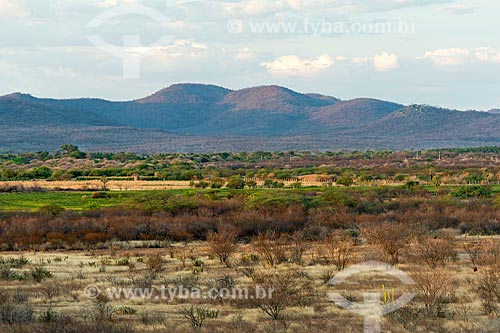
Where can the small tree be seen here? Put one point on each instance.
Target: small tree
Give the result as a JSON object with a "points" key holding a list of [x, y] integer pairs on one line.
{"points": [[271, 248], [435, 251], [474, 250], [198, 315], [104, 182], [252, 184], [69, 149], [102, 309], [222, 245], [488, 288], [283, 290], [435, 289], [235, 183], [345, 180], [154, 264], [340, 251], [299, 246], [392, 238]]}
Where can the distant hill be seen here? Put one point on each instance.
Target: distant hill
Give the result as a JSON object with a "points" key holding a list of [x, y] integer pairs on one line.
{"points": [[355, 112], [197, 117]]}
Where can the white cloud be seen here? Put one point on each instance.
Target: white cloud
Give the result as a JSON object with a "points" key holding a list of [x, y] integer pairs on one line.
{"points": [[385, 62], [382, 62], [463, 56], [293, 65], [244, 54], [459, 9], [179, 48], [12, 9], [487, 54], [448, 57], [360, 61], [220, 10]]}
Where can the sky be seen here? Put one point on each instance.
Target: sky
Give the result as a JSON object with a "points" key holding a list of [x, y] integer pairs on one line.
{"points": [[437, 52]]}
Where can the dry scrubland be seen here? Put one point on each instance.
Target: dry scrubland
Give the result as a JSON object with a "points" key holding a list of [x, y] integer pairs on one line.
{"points": [[457, 280], [227, 231]]}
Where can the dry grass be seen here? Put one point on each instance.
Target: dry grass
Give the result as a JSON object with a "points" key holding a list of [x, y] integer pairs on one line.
{"points": [[449, 303]]}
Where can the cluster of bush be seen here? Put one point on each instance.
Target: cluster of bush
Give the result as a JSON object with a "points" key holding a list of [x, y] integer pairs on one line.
{"points": [[194, 214]]}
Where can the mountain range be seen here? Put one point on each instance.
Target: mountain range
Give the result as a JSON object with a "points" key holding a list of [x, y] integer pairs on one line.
{"points": [[201, 118]]}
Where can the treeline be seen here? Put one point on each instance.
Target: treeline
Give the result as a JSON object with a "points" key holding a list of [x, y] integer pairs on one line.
{"points": [[451, 166], [485, 150]]}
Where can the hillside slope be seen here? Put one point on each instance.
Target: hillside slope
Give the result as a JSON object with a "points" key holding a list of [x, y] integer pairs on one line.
{"points": [[197, 117]]}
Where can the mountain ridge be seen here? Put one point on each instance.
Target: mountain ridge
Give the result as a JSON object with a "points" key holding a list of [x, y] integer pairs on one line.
{"points": [[203, 117]]}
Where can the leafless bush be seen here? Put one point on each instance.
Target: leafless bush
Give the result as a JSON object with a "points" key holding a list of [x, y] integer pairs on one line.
{"points": [[102, 310], [340, 251], [271, 248], [474, 250], [223, 245], [14, 309], [435, 289], [483, 252], [435, 251], [50, 290], [189, 282], [392, 238], [152, 318], [299, 246], [198, 315], [287, 289], [488, 288], [155, 264]]}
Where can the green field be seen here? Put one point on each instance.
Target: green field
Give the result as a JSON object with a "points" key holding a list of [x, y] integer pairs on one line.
{"points": [[66, 200], [78, 201]]}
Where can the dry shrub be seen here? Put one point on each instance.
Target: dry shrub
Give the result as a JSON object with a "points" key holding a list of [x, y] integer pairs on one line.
{"points": [[223, 245], [283, 290], [435, 252], [155, 264], [491, 252], [340, 251], [271, 248], [488, 289], [391, 238], [435, 290], [474, 250], [299, 246], [196, 315], [483, 252]]}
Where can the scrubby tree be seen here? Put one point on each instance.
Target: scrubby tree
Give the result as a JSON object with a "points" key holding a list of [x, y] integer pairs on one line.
{"points": [[68, 149], [340, 251], [345, 180], [391, 238], [223, 244], [435, 251], [196, 315], [436, 289], [488, 288], [271, 248], [282, 290], [235, 183]]}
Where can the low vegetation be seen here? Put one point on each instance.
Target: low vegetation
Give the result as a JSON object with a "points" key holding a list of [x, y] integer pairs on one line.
{"points": [[62, 252]]}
